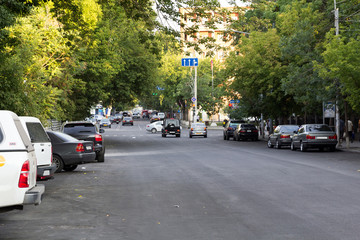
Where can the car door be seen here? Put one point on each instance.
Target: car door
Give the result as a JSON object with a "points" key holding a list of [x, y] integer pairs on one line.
{"points": [[297, 136], [158, 126]]}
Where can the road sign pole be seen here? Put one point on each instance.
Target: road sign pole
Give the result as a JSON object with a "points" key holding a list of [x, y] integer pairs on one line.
{"points": [[195, 95]]}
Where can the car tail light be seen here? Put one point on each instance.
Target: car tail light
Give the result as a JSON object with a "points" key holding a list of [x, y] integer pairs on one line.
{"points": [[24, 175], [80, 147], [310, 137], [204, 128], [284, 136], [333, 137], [242, 131], [98, 138], [192, 129], [255, 131], [178, 130]]}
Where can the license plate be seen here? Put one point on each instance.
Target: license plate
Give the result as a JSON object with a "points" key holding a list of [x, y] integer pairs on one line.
{"points": [[198, 133], [46, 173], [88, 147], [321, 138], [172, 132], [248, 130]]}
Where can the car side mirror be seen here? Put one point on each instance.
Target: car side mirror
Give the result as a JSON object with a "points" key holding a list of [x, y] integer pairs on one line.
{"points": [[101, 130]]}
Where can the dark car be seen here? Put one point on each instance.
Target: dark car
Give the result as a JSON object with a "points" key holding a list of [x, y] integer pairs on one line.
{"points": [[154, 119], [282, 136], [171, 126], [69, 152], [246, 131], [127, 120], [88, 132], [314, 136], [230, 127]]}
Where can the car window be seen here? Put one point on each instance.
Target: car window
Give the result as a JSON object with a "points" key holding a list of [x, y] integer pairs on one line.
{"points": [[37, 132], [172, 122], [158, 123], [289, 128], [318, 128], [234, 125], [248, 126], [65, 137], [127, 118], [79, 128], [301, 130], [104, 120]]}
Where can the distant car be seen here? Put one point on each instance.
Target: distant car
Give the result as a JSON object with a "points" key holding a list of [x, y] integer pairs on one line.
{"points": [[198, 129], [127, 120], [314, 136], [230, 127], [105, 122], [246, 131], [117, 118], [69, 152], [136, 115], [161, 115], [282, 136], [154, 127], [88, 132], [154, 119], [112, 118], [171, 126]]}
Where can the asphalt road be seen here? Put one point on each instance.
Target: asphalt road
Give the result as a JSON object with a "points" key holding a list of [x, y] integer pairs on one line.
{"points": [[154, 188]]}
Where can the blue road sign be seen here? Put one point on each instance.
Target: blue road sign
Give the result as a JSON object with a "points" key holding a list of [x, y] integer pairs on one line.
{"points": [[232, 101], [189, 62], [193, 99]]}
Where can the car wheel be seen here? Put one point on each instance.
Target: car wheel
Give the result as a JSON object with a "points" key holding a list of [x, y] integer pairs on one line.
{"points": [[332, 148], [163, 135], [110, 126], [227, 137], [224, 137], [177, 135], [302, 147], [101, 157], [234, 138], [69, 168], [190, 136], [58, 162], [277, 144], [153, 130], [269, 144], [205, 136], [292, 146]]}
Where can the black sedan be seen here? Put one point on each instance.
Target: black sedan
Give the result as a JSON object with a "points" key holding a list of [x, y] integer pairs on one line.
{"points": [[69, 152], [246, 131]]}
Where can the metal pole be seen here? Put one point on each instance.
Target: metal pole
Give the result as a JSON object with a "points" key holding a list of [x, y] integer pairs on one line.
{"points": [[337, 115], [195, 95]]}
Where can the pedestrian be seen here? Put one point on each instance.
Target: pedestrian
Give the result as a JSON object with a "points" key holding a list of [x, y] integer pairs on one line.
{"points": [[350, 130], [342, 126], [225, 122]]}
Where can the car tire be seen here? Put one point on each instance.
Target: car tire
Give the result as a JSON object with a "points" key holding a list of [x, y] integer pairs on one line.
{"points": [[163, 135], [234, 138], [205, 136], [190, 136], [269, 144], [110, 126], [70, 168], [227, 137], [224, 137], [153, 130], [332, 148], [277, 144], [59, 163], [302, 147], [177, 135], [101, 157]]}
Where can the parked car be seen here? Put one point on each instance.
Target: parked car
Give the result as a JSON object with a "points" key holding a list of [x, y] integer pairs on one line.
{"points": [[105, 122], [127, 120], [230, 127], [154, 118], [42, 146], [246, 131], [314, 136], [136, 115], [87, 132], [154, 127], [69, 152], [17, 165], [282, 136], [171, 126], [198, 129]]}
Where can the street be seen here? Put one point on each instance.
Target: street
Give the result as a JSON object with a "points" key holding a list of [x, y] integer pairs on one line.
{"points": [[154, 188]]}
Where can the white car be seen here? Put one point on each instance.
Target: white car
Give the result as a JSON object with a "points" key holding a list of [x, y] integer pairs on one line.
{"points": [[154, 127], [17, 165], [161, 115], [42, 144]]}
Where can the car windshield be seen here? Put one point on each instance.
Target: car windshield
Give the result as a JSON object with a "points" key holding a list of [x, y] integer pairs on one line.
{"points": [[234, 124], [174, 122], [127, 118], [104, 120], [198, 125], [318, 128], [289, 128], [79, 128], [248, 126]]}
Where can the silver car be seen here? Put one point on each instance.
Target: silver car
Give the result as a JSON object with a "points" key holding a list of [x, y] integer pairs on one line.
{"points": [[314, 136], [198, 129], [282, 136]]}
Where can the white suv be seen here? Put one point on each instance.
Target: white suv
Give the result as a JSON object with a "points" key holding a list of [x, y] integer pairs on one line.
{"points": [[17, 165], [42, 145]]}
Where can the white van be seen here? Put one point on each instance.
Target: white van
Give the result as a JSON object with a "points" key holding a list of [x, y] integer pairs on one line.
{"points": [[42, 145], [17, 165]]}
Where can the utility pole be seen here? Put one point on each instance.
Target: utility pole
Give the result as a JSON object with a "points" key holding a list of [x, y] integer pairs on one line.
{"points": [[337, 112], [195, 95]]}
